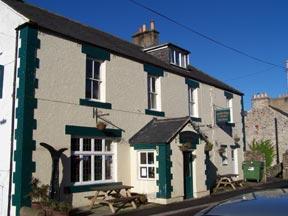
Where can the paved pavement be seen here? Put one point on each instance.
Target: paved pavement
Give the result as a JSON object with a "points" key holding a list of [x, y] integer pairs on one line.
{"points": [[187, 207]]}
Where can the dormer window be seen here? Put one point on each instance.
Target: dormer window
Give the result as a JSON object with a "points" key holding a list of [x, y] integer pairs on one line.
{"points": [[178, 58]]}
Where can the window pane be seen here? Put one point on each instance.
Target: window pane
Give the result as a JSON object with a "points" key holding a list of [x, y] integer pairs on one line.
{"points": [[153, 101], [153, 84], [86, 144], [150, 158], [86, 168], [75, 165], [75, 144], [88, 68], [98, 144], [96, 70], [108, 144], [98, 167], [143, 172], [96, 89], [88, 88], [177, 58], [108, 167], [142, 158], [151, 172]]}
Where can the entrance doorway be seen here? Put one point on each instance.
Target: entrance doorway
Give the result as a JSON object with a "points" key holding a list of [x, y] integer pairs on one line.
{"points": [[188, 174]]}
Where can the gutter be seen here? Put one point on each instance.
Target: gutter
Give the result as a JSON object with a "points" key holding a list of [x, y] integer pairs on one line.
{"points": [[243, 123], [13, 123]]}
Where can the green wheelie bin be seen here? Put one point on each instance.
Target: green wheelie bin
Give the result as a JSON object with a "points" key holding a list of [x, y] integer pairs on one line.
{"points": [[253, 170]]}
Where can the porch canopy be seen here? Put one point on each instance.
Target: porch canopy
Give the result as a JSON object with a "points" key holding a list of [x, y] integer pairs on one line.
{"points": [[163, 131]]}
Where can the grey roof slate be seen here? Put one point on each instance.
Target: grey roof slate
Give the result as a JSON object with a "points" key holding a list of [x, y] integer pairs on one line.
{"points": [[159, 131], [76, 31]]}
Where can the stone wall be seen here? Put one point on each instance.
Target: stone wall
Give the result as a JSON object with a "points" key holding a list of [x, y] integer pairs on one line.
{"points": [[260, 123]]}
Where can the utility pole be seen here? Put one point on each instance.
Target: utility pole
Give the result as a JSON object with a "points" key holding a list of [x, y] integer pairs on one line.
{"points": [[286, 69]]}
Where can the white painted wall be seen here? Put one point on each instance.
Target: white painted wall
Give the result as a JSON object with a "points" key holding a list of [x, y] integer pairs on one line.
{"points": [[9, 20]]}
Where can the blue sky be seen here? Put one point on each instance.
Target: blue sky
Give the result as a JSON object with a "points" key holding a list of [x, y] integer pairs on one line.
{"points": [[257, 27]]}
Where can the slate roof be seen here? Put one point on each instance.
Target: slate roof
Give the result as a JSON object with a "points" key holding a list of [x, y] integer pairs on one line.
{"points": [[76, 31], [159, 131], [278, 109]]}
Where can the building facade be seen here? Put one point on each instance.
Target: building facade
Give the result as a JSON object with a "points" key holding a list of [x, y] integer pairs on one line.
{"points": [[159, 112], [268, 119]]}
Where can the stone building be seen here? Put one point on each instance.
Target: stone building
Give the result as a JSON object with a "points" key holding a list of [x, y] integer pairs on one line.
{"points": [[268, 119]]}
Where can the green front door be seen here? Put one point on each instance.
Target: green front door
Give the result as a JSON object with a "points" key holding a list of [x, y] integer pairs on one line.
{"points": [[188, 175]]}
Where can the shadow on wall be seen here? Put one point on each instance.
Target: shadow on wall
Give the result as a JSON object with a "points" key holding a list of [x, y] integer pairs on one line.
{"points": [[211, 172], [64, 196]]}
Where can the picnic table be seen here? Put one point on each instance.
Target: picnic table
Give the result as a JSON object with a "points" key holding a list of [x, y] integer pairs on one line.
{"points": [[115, 196], [227, 180]]}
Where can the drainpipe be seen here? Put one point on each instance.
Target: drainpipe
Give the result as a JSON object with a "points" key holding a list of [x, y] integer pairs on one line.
{"points": [[276, 140], [243, 123], [12, 124]]}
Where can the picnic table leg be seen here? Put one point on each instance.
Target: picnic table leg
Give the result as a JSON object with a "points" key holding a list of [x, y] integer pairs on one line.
{"points": [[128, 194], [217, 186], [112, 208], [93, 200]]}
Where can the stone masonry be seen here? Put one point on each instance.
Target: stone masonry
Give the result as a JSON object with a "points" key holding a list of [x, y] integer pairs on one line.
{"points": [[260, 121]]}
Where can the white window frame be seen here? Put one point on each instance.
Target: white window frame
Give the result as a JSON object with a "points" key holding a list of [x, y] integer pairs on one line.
{"points": [[139, 165], [94, 153], [180, 57], [101, 80], [157, 92], [193, 102], [229, 104]]}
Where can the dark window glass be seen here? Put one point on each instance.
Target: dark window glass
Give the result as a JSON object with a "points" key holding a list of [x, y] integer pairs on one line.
{"points": [[98, 167], [96, 89], [150, 158], [86, 144], [142, 158], [96, 70], [98, 144], [89, 68], [88, 88], [75, 165], [86, 168], [108, 167], [151, 172], [75, 144]]}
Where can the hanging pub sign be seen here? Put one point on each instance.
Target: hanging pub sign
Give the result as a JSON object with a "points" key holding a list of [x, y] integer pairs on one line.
{"points": [[222, 115]]}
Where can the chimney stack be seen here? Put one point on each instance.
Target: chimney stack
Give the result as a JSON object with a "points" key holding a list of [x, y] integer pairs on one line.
{"points": [[260, 100], [146, 37]]}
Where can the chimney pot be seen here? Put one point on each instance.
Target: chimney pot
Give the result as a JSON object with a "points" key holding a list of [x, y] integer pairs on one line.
{"points": [[144, 28], [152, 25]]}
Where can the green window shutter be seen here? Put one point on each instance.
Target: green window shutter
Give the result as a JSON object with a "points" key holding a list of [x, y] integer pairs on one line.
{"points": [[1, 80]]}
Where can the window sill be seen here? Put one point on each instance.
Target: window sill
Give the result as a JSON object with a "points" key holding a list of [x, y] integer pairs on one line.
{"points": [[88, 187], [154, 113], [196, 119], [230, 124], [98, 104]]}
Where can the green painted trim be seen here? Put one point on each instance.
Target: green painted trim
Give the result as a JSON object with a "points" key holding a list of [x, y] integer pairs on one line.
{"points": [[25, 145], [192, 83], [154, 113], [98, 104], [144, 146], [92, 132], [231, 124], [1, 80], [85, 188], [228, 95], [164, 171], [95, 52], [196, 119], [152, 70]]}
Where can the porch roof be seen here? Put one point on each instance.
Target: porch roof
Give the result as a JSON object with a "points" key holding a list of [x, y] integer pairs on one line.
{"points": [[159, 131]]}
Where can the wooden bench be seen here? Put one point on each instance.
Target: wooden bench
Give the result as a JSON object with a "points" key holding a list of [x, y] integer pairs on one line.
{"points": [[238, 183], [113, 202]]}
